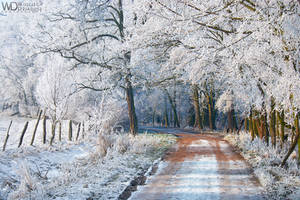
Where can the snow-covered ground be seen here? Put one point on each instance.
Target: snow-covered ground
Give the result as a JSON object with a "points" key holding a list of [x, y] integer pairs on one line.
{"points": [[18, 125], [91, 168], [280, 183]]}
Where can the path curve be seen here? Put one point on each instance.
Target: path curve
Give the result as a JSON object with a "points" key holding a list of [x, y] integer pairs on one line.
{"points": [[201, 166]]}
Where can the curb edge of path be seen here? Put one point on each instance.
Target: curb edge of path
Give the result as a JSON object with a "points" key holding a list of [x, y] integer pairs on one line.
{"points": [[140, 180]]}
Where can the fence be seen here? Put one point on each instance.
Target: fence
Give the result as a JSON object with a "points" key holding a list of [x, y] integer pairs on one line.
{"points": [[21, 131]]}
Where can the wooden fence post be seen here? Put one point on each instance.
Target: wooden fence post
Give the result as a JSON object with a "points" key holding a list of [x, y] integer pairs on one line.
{"points": [[78, 131], [83, 130], [37, 114], [44, 128], [59, 131], [7, 136], [70, 130], [23, 133], [35, 127]]}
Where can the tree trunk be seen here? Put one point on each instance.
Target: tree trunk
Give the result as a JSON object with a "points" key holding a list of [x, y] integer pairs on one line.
{"points": [[202, 118], [282, 123], [22, 134], [272, 118], [266, 128], [166, 120], [195, 99], [277, 124], [294, 142], [259, 128], [35, 127], [246, 124], [131, 108], [251, 126], [171, 117], [176, 120], [298, 131], [209, 112], [153, 117], [235, 121], [241, 125], [213, 111], [230, 120], [7, 136], [173, 105], [53, 129]]}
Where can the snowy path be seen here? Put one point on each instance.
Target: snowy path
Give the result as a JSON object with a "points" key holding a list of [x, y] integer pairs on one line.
{"points": [[202, 166]]}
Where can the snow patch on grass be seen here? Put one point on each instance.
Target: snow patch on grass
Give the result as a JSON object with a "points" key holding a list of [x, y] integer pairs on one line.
{"points": [[280, 183], [99, 169]]}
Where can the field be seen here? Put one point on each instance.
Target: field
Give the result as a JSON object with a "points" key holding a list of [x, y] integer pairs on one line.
{"points": [[94, 167]]}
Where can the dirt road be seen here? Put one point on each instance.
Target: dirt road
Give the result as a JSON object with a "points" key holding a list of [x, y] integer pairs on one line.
{"points": [[202, 166]]}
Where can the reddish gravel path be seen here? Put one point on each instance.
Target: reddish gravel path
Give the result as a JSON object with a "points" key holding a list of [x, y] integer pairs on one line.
{"points": [[201, 166]]}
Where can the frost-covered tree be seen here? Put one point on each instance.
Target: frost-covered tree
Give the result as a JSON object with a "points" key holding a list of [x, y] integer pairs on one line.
{"points": [[95, 34], [228, 43], [55, 87], [15, 65]]}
